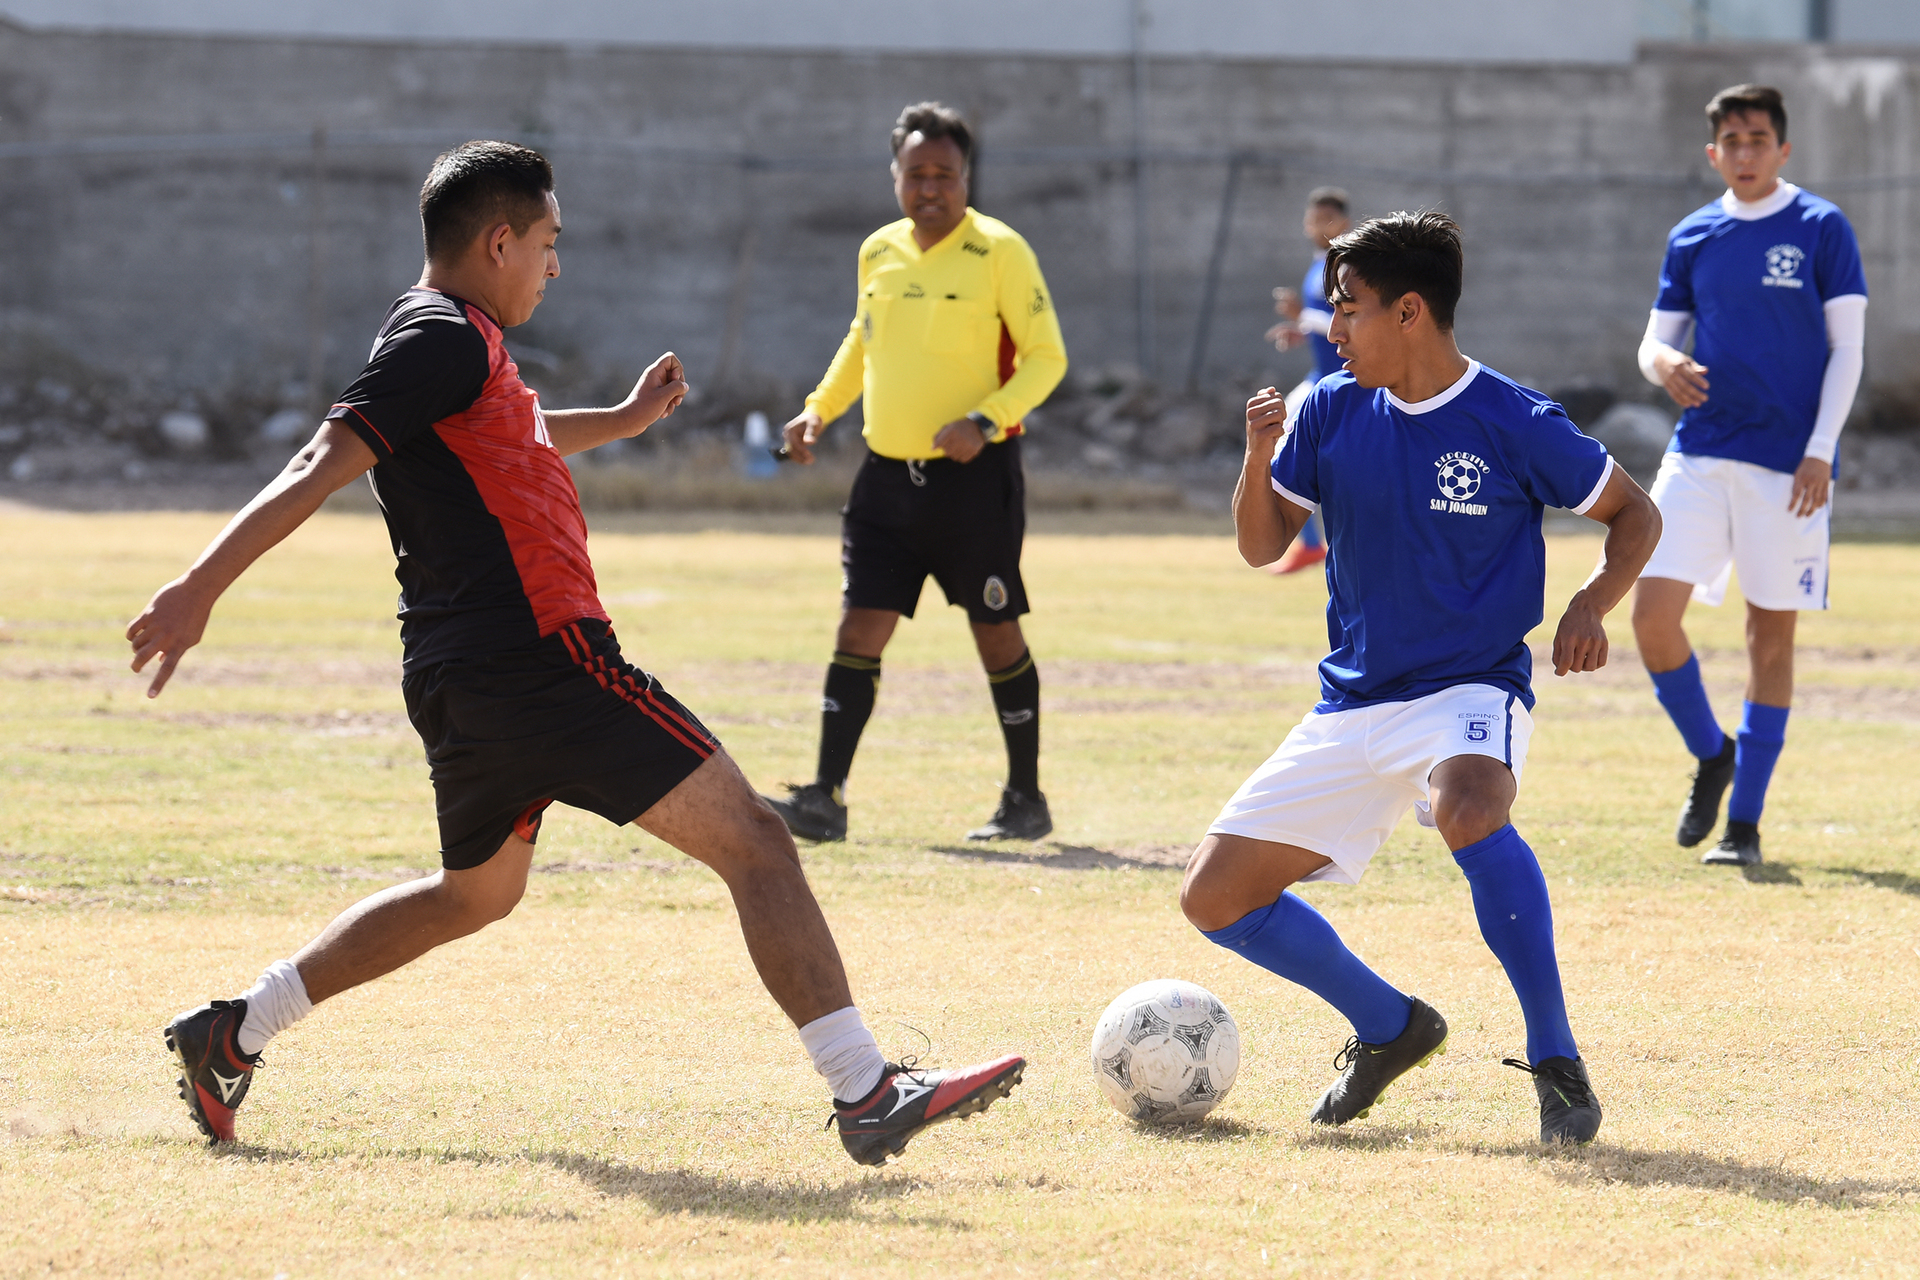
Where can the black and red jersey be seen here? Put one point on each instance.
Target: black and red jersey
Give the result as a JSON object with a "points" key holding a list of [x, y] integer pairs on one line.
{"points": [[482, 510]]}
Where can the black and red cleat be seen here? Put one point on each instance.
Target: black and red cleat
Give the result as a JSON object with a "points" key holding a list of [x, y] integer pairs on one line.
{"points": [[908, 1100], [216, 1072]]}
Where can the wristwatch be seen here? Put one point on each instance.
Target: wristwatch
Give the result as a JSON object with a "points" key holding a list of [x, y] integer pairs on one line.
{"points": [[985, 424]]}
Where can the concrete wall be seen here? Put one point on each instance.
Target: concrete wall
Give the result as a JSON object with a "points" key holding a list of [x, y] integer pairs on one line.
{"points": [[1461, 30], [171, 224]]}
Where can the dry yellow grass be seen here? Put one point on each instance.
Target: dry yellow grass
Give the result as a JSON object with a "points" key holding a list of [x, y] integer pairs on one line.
{"points": [[598, 1086]]}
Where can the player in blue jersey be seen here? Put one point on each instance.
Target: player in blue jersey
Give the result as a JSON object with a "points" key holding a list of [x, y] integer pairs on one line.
{"points": [[1307, 313], [1431, 472], [1768, 279]]}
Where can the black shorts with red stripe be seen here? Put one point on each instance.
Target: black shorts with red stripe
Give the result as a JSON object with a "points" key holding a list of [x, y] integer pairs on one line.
{"points": [[566, 719]]}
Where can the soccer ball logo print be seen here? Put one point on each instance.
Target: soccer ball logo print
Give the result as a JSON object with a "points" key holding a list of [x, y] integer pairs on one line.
{"points": [[1459, 476], [1783, 262]]}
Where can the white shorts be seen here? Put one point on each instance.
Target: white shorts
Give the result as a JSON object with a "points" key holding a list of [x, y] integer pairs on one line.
{"points": [[1342, 780], [1721, 515]]}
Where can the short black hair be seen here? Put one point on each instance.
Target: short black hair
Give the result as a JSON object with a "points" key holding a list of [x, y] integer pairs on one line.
{"points": [[1742, 98], [479, 185], [1332, 197], [933, 120], [1403, 253]]}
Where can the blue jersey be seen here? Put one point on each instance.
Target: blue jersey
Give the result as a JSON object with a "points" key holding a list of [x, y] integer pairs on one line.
{"points": [[1756, 290], [1436, 569], [1313, 297]]}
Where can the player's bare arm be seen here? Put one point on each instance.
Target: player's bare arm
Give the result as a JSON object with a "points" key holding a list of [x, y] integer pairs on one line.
{"points": [[1633, 530], [1264, 522], [655, 396], [176, 617]]}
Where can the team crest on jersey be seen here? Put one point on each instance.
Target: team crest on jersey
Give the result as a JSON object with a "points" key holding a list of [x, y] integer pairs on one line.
{"points": [[996, 593], [1459, 476], [1783, 267]]}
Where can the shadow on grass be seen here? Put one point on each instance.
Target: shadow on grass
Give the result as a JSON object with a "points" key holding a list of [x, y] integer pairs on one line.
{"points": [[1626, 1166], [752, 1199], [1211, 1129], [1073, 857], [1375, 1137], [1894, 880], [1636, 1168], [666, 1190], [1770, 873]]}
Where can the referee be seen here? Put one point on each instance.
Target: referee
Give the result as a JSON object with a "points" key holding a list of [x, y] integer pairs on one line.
{"points": [[953, 342]]}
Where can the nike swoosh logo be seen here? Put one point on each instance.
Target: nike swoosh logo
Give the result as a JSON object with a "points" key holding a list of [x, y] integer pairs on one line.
{"points": [[226, 1086]]}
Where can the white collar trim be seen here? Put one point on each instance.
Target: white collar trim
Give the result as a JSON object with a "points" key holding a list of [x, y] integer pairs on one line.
{"points": [[1765, 207], [1434, 402]]}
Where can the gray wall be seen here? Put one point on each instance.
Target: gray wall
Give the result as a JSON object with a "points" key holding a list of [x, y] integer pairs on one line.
{"points": [[1550, 30], [167, 208]]}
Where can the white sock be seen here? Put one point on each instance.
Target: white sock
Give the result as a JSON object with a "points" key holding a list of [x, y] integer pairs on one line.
{"points": [[845, 1052], [274, 1003]]}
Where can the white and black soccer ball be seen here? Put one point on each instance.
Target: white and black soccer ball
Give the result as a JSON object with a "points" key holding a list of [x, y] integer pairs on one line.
{"points": [[1459, 479], [1165, 1052]]}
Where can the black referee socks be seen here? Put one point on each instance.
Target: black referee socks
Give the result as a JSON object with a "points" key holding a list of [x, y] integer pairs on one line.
{"points": [[1016, 695], [853, 682]]}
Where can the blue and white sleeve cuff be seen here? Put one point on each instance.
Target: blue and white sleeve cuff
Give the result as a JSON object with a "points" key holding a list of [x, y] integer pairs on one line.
{"points": [[1606, 474], [1295, 498]]}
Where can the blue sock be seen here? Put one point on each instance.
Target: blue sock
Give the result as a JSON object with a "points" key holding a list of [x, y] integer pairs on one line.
{"points": [[1685, 698], [1763, 731], [1293, 940], [1510, 900]]}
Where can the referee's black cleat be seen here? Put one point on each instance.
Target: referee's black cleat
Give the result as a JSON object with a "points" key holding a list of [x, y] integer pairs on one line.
{"points": [[1019, 817], [1739, 846], [1367, 1069], [1569, 1111], [216, 1073], [811, 812], [1703, 800], [908, 1100]]}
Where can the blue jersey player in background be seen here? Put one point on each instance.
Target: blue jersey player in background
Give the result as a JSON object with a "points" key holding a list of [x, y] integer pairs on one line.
{"points": [[1768, 279], [1306, 315], [1432, 473]]}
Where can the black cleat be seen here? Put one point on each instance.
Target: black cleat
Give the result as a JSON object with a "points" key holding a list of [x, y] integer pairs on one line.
{"points": [[811, 812], [1569, 1111], [1703, 801], [1367, 1069], [908, 1100], [217, 1073], [1739, 846], [1019, 817]]}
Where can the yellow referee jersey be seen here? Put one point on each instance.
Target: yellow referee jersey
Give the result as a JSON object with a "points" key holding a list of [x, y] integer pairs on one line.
{"points": [[964, 327]]}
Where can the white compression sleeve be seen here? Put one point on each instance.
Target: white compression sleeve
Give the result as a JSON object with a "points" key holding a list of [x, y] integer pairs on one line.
{"points": [[1664, 329], [274, 1003], [1846, 357], [845, 1052], [1312, 321]]}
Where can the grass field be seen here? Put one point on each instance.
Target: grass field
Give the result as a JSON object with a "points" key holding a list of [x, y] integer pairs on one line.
{"points": [[598, 1085]]}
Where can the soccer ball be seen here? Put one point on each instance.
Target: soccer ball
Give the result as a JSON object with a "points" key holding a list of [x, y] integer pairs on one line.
{"points": [[1459, 480], [1165, 1052]]}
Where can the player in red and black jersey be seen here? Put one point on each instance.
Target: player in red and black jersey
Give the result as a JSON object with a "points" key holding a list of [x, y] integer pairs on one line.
{"points": [[511, 673]]}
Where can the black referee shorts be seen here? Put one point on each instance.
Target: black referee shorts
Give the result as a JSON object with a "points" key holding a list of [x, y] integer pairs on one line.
{"points": [[565, 719], [962, 522]]}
